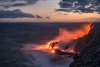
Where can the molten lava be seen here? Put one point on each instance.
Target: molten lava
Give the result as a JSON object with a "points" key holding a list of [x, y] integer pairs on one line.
{"points": [[52, 45], [64, 36]]}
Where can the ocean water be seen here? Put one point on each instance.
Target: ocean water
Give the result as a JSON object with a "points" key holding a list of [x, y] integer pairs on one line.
{"points": [[16, 36], [43, 58]]}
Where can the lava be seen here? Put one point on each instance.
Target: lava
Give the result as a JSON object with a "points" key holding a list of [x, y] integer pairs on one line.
{"points": [[63, 38]]}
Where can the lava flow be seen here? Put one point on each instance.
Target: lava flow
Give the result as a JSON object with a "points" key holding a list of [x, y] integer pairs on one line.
{"points": [[64, 37]]}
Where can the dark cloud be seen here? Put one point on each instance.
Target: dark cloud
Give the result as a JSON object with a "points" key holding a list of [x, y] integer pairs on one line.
{"points": [[19, 4], [64, 10], [12, 3], [14, 14], [80, 6], [37, 16], [48, 17], [31, 1]]}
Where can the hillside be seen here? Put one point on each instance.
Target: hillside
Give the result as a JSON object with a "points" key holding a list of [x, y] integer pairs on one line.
{"points": [[89, 47]]}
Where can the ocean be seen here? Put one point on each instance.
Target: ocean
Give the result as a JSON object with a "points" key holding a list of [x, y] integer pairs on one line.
{"points": [[18, 38]]}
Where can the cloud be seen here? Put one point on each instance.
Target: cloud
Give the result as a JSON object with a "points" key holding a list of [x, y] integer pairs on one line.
{"points": [[80, 6], [15, 14], [37, 16], [64, 10], [13, 3], [48, 17]]}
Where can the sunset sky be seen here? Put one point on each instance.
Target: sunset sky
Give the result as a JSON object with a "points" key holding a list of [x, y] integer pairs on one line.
{"points": [[49, 10]]}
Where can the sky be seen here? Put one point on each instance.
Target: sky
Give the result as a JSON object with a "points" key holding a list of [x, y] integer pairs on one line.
{"points": [[49, 10]]}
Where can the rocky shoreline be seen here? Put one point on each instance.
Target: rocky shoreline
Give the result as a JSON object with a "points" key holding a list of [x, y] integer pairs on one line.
{"points": [[89, 56]]}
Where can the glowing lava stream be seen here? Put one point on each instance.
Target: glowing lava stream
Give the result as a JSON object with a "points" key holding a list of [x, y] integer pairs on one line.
{"points": [[64, 36]]}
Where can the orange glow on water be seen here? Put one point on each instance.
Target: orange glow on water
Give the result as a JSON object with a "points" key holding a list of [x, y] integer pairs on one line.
{"points": [[64, 36]]}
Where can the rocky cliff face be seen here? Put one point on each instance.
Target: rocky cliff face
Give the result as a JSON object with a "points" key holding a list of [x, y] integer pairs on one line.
{"points": [[89, 47]]}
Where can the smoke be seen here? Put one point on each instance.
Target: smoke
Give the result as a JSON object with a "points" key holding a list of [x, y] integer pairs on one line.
{"points": [[43, 56], [66, 36]]}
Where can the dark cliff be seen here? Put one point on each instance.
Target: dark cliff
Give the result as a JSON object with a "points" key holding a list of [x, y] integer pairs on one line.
{"points": [[89, 47]]}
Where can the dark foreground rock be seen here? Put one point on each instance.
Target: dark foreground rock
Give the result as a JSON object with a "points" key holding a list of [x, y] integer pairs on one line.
{"points": [[89, 47]]}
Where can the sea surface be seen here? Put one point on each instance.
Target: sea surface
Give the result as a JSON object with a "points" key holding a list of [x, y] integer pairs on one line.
{"points": [[16, 37]]}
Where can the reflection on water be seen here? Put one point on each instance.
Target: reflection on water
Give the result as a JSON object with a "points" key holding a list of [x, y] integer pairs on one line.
{"points": [[44, 58], [14, 35]]}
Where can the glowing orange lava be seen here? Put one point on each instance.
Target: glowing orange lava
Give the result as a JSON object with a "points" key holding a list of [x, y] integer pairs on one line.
{"points": [[64, 36]]}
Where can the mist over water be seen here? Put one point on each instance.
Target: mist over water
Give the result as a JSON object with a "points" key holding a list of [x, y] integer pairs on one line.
{"points": [[44, 58], [17, 36]]}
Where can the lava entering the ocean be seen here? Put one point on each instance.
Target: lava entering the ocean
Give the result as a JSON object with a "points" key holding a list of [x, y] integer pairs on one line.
{"points": [[58, 43]]}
